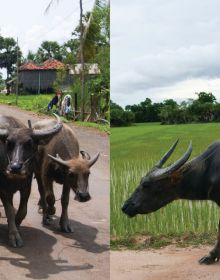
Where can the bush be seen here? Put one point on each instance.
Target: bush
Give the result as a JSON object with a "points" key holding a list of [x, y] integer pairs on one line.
{"points": [[121, 118], [117, 117]]}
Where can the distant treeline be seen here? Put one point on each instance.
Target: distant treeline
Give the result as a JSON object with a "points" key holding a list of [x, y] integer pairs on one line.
{"points": [[204, 108]]}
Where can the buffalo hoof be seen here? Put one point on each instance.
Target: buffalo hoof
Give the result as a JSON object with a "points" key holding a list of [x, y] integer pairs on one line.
{"points": [[47, 220], [66, 227], [208, 260], [15, 240]]}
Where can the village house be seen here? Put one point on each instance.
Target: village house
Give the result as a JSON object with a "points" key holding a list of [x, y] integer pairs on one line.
{"points": [[40, 78]]}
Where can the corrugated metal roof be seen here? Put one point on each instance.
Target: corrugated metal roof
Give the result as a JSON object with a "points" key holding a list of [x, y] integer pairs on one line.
{"points": [[91, 68]]}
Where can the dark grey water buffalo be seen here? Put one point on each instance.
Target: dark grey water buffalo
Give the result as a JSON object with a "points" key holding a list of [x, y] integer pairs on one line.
{"points": [[62, 161], [198, 179], [18, 147]]}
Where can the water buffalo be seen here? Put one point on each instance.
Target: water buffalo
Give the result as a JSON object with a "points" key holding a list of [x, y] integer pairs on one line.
{"points": [[62, 161], [18, 147], [198, 179]]}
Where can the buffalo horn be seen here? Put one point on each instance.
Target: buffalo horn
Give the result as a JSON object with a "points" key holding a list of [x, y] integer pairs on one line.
{"points": [[85, 155], [93, 161], [167, 155], [29, 124], [58, 159], [44, 133], [175, 166]]}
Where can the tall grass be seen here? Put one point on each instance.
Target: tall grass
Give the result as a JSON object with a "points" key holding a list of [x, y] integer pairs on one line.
{"points": [[134, 150]]}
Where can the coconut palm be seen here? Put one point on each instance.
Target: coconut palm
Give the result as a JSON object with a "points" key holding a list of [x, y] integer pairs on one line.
{"points": [[83, 34]]}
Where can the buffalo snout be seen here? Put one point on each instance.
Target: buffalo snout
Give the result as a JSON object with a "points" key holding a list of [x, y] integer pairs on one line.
{"points": [[82, 196], [15, 167], [129, 209]]}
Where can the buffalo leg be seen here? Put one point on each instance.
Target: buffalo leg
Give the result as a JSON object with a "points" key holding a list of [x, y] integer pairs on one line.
{"points": [[42, 201], [64, 221], [22, 210], [14, 236], [214, 255], [50, 198]]}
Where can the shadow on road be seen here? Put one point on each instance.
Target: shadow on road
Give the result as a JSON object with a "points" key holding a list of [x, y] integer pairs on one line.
{"points": [[84, 236], [36, 254]]}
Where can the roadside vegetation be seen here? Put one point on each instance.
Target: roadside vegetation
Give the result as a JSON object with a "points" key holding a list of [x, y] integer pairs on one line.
{"points": [[38, 104], [180, 220]]}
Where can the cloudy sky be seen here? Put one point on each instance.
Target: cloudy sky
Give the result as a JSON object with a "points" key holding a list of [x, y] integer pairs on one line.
{"points": [[26, 20], [164, 49]]}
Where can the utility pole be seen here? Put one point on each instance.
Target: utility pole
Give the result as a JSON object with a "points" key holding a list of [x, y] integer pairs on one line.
{"points": [[17, 80], [82, 65]]}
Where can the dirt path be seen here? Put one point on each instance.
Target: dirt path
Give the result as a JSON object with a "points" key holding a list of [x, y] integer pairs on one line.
{"points": [[50, 254], [170, 263]]}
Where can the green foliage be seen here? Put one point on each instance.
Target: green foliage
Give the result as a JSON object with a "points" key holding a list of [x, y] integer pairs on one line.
{"points": [[204, 97], [2, 82], [134, 151], [119, 117], [203, 109], [48, 49], [9, 52], [60, 77]]}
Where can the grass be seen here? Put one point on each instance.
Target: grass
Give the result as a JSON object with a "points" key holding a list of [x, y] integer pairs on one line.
{"points": [[38, 104], [134, 150], [35, 103]]}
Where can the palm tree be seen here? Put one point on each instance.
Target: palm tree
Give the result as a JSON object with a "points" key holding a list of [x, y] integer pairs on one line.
{"points": [[83, 35]]}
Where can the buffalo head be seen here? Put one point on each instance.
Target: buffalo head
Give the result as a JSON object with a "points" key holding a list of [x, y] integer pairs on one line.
{"points": [[76, 172], [156, 189], [20, 146]]}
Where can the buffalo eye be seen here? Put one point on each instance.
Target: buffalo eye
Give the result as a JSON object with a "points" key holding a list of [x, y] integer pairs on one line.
{"points": [[71, 174], [10, 144], [144, 182], [28, 144]]}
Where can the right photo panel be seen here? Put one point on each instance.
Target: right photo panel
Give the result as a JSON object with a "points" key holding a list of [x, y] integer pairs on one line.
{"points": [[165, 148]]}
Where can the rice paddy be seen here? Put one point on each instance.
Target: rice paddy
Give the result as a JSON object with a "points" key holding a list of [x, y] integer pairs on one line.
{"points": [[134, 150]]}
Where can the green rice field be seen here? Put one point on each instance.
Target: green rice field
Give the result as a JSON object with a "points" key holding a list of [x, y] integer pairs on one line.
{"points": [[134, 150]]}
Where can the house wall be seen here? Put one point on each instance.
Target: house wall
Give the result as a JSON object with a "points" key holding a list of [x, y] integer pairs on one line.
{"points": [[30, 80]]}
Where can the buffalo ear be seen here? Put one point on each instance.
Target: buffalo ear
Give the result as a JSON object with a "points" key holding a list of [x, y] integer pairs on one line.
{"points": [[85, 155]]}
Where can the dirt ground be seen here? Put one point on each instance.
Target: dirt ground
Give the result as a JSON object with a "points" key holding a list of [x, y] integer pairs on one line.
{"points": [[48, 253], [169, 263]]}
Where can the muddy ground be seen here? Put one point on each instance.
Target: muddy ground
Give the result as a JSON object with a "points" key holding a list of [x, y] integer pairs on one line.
{"points": [[49, 253], [170, 263]]}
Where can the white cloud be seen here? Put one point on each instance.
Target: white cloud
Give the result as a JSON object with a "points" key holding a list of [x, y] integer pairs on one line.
{"points": [[157, 45]]}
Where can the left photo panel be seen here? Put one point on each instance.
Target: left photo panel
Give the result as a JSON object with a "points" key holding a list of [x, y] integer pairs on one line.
{"points": [[54, 139]]}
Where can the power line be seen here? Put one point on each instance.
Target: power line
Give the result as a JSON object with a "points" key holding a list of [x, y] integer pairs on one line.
{"points": [[61, 21]]}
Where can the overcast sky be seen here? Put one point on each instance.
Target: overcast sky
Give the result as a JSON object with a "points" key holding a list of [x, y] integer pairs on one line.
{"points": [[164, 49], [26, 20]]}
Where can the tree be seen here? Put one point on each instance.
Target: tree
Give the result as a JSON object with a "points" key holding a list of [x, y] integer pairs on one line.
{"points": [[204, 97], [8, 56], [31, 56], [2, 82], [48, 49], [119, 117], [114, 105]]}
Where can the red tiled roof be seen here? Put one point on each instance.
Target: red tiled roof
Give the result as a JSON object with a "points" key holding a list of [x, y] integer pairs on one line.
{"points": [[50, 64], [28, 66]]}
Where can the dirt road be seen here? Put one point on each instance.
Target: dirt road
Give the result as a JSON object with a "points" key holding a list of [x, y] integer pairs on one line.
{"points": [[170, 263], [50, 254]]}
